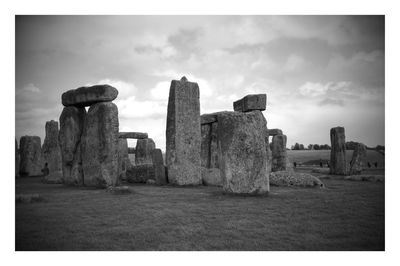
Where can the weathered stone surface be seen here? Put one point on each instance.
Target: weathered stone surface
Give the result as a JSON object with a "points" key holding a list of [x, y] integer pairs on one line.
{"points": [[140, 173], [16, 159], [358, 161], [133, 135], [144, 149], [338, 165], [290, 178], [183, 133], [123, 158], [214, 162], [51, 151], [251, 102], [131, 150], [274, 131], [159, 168], [243, 152], [30, 156], [209, 145], [208, 118], [86, 96], [211, 177], [205, 145], [278, 150], [71, 120], [100, 145]]}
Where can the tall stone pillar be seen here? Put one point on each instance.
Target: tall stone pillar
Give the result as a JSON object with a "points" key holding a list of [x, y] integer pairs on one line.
{"points": [[358, 160], [30, 156], [100, 145], [183, 133], [338, 165], [51, 148], [279, 154], [143, 151], [72, 120]]}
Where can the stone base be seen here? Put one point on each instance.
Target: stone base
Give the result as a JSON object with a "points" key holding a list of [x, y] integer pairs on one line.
{"points": [[140, 173], [211, 177]]}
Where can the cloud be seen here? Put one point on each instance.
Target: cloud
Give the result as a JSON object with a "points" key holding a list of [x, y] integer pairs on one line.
{"points": [[125, 89], [29, 88], [311, 89], [330, 101]]}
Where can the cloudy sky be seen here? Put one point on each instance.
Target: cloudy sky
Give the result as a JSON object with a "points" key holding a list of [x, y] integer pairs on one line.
{"points": [[318, 71]]}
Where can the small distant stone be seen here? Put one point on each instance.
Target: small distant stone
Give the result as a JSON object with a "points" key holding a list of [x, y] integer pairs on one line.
{"points": [[184, 79], [119, 190], [150, 182], [28, 198]]}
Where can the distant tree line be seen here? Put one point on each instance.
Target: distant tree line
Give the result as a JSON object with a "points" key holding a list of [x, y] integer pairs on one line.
{"points": [[350, 145], [299, 146]]}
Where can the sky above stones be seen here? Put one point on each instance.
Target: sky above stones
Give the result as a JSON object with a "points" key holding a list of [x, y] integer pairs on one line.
{"points": [[318, 71]]}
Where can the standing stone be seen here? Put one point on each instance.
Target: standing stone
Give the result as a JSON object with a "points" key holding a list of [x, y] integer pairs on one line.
{"points": [[279, 156], [51, 148], [72, 120], [358, 160], [183, 133], [159, 168], [243, 152], [16, 159], [100, 145], [86, 96], [338, 164], [143, 151], [251, 102], [30, 156], [123, 158]]}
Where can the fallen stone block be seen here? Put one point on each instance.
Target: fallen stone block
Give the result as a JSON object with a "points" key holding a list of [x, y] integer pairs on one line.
{"points": [[290, 178], [118, 190]]}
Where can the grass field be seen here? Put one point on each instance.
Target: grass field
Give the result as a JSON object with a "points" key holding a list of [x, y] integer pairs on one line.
{"points": [[310, 155], [345, 216]]}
